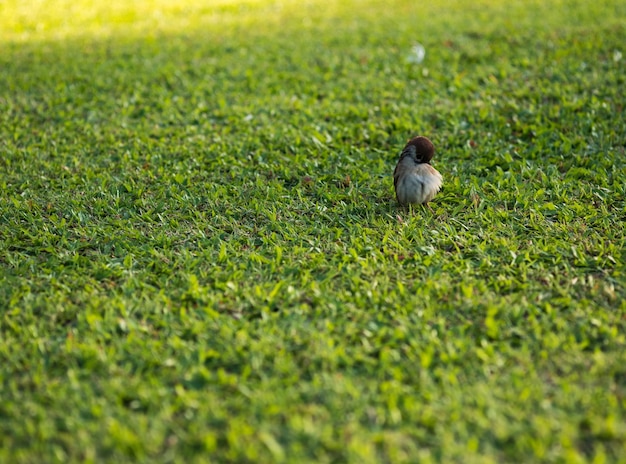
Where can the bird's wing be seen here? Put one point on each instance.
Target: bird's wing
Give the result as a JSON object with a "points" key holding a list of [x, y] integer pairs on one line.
{"points": [[396, 175]]}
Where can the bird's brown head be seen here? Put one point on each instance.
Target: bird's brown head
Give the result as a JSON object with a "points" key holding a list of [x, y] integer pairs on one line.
{"points": [[420, 148]]}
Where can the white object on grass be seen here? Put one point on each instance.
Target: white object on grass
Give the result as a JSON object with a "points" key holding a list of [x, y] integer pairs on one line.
{"points": [[418, 52]]}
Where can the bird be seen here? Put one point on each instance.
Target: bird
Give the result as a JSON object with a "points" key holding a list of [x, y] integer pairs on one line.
{"points": [[414, 179]]}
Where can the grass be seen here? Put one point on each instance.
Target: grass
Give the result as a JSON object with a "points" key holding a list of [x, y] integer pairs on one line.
{"points": [[202, 259]]}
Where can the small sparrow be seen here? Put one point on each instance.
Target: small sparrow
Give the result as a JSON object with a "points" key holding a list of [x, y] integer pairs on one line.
{"points": [[414, 179]]}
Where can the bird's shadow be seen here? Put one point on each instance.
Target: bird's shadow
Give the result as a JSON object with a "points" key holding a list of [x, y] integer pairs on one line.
{"points": [[387, 208]]}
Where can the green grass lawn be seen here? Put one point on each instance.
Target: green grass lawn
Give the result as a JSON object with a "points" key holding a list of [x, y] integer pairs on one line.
{"points": [[201, 258]]}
